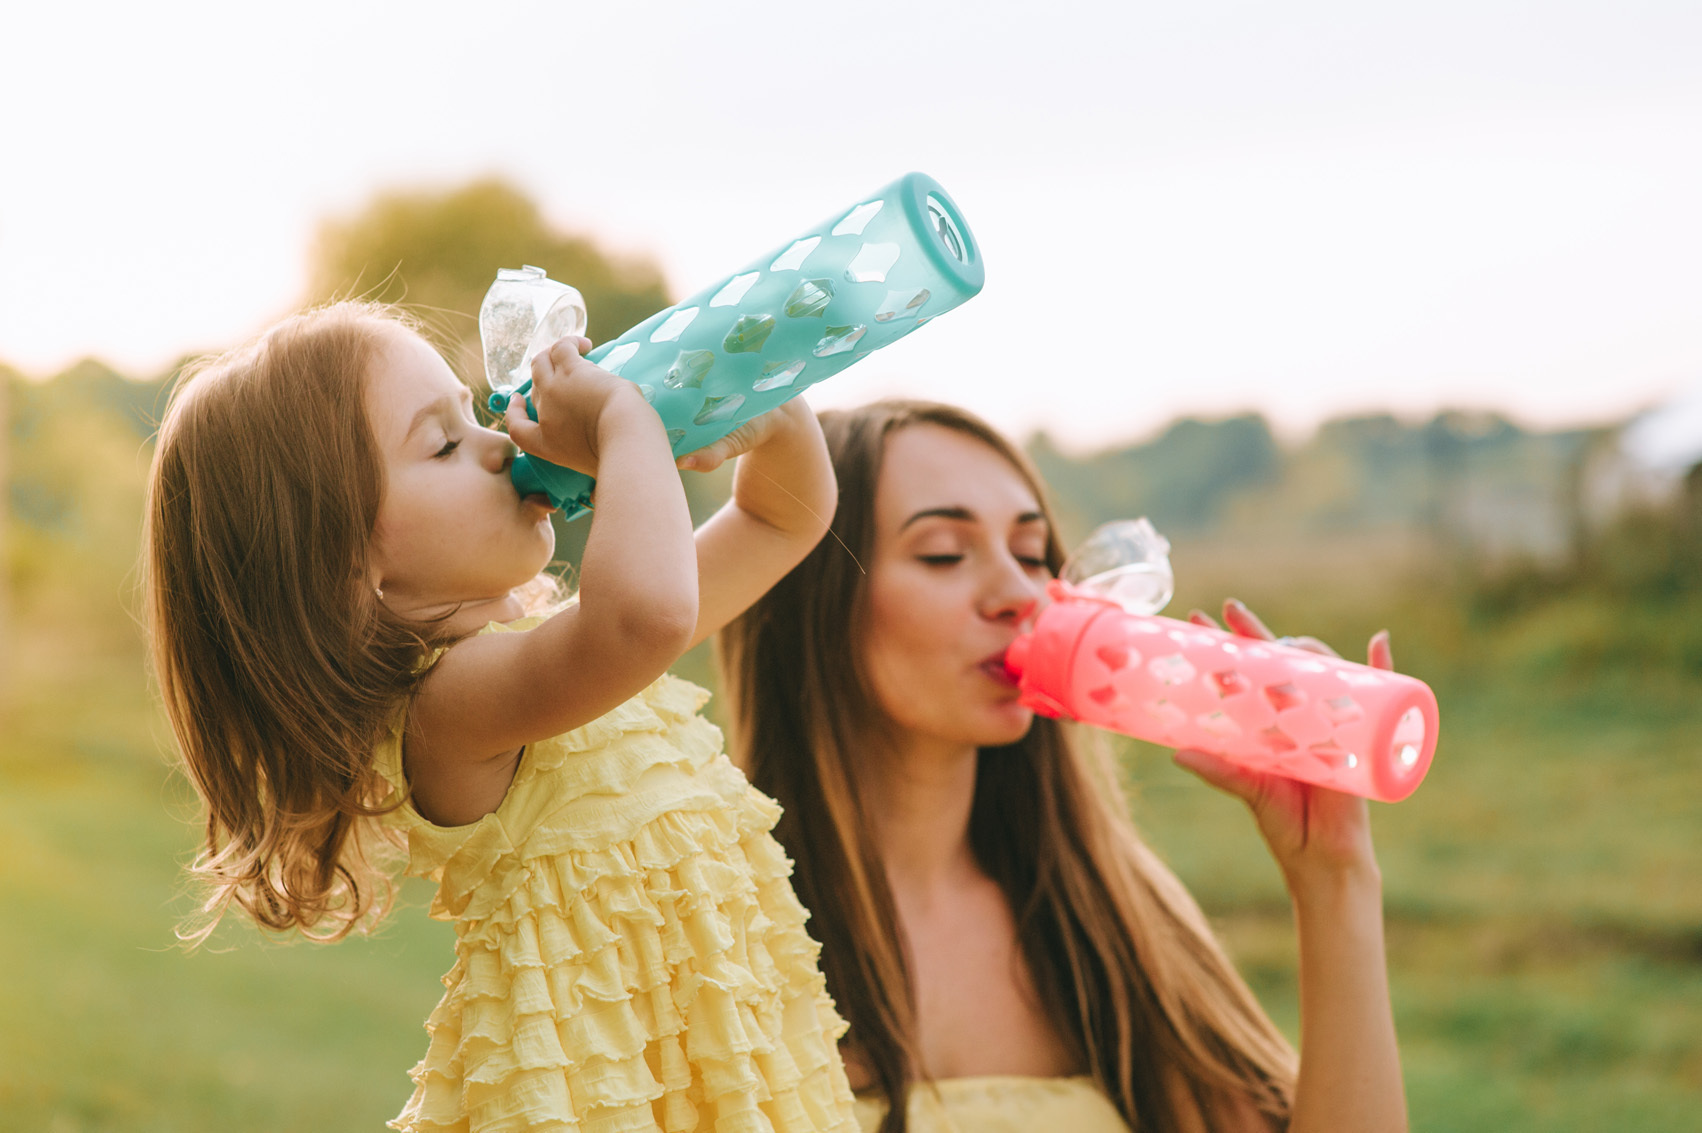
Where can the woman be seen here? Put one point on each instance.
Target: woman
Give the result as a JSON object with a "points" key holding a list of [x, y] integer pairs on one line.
{"points": [[991, 924]]}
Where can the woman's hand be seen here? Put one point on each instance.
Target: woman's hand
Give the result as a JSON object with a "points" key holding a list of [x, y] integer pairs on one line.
{"points": [[1313, 832], [1350, 1065], [571, 397], [784, 493]]}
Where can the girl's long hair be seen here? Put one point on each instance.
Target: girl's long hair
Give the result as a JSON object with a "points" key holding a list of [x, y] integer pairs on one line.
{"points": [[1123, 959], [279, 666]]}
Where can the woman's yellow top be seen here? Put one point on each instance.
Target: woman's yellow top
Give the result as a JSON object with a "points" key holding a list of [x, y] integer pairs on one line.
{"points": [[630, 956], [1005, 1104]]}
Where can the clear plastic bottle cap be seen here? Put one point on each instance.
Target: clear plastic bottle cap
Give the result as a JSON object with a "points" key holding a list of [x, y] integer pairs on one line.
{"points": [[524, 312], [1126, 561]]}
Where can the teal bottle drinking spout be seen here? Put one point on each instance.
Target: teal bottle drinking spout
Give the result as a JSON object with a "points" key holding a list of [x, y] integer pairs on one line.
{"points": [[865, 277]]}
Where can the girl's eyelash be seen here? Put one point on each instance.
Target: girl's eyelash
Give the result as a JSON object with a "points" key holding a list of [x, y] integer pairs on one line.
{"points": [[448, 447]]}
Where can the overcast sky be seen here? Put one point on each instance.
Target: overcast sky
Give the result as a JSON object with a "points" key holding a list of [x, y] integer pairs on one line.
{"points": [[1308, 208]]}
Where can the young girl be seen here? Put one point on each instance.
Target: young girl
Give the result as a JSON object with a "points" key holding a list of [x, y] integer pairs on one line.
{"points": [[344, 591]]}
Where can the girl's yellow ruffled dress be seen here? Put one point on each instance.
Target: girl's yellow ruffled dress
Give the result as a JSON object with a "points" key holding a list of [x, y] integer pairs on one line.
{"points": [[630, 955]]}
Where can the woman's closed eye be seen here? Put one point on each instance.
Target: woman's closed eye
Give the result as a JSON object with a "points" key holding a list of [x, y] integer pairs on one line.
{"points": [[1028, 562]]}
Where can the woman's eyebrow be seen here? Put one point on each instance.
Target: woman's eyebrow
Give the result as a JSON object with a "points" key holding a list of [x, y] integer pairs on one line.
{"points": [[962, 514], [958, 513]]}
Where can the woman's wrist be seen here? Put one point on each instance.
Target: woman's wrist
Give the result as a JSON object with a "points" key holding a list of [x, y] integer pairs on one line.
{"points": [[1335, 885], [788, 480]]}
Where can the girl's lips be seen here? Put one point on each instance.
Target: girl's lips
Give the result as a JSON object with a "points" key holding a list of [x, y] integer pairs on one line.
{"points": [[539, 500]]}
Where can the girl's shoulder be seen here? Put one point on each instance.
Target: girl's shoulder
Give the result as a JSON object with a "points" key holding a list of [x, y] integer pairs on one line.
{"points": [[387, 759]]}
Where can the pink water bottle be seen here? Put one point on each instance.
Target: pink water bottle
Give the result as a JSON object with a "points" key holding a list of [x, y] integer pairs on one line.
{"points": [[1100, 654]]}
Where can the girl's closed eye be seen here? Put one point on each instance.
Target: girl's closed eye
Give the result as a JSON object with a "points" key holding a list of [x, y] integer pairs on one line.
{"points": [[449, 446], [939, 559]]}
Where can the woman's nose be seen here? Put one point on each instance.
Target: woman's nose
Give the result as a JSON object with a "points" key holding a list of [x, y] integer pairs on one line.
{"points": [[1014, 594]]}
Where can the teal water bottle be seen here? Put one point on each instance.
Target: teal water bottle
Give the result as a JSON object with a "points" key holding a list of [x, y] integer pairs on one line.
{"points": [[862, 279]]}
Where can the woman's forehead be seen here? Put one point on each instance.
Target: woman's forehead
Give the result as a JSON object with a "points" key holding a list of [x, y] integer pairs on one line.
{"points": [[932, 468]]}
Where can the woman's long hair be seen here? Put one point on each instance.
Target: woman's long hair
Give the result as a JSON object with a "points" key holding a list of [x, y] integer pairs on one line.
{"points": [[279, 666], [1124, 961]]}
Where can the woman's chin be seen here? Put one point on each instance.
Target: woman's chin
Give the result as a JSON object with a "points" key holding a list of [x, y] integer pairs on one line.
{"points": [[1009, 724]]}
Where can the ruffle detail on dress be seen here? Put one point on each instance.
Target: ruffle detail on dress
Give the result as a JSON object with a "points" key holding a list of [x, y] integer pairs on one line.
{"points": [[630, 955], [587, 788], [667, 985]]}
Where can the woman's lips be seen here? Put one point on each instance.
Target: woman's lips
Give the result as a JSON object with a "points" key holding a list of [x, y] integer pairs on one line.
{"points": [[994, 667]]}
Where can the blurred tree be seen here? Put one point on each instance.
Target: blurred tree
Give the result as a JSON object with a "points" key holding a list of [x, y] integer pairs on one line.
{"points": [[8, 378], [91, 383], [74, 496], [437, 252], [1184, 479]]}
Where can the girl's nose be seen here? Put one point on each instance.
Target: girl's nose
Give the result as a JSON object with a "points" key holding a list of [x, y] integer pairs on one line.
{"points": [[498, 451]]}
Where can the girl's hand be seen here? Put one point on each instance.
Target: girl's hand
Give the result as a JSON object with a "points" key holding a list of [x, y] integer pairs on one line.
{"points": [[1313, 832], [782, 420], [570, 397]]}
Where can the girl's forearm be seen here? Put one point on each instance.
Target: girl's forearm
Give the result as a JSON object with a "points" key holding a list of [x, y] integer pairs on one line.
{"points": [[1350, 1070], [639, 557]]}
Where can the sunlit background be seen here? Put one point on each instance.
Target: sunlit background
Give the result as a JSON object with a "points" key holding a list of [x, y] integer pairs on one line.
{"points": [[1302, 208], [1388, 315]]}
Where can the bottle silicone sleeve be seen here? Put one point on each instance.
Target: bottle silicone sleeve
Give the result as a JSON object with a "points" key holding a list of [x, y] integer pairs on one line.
{"points": [[1269, 706], [862, 279]]}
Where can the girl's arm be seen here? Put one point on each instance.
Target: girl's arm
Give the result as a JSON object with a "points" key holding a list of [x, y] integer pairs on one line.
{"points": [[1350, 1069], [784, 494], [492, 693]]}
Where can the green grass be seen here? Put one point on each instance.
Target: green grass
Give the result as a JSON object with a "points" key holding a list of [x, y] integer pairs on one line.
{"points": [[1545, 928], [106, 1023]]}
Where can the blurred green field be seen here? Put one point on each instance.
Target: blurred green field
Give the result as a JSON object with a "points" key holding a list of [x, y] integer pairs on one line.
{"points": [[107, 1024], [1545, 925], [1545, 914]]}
